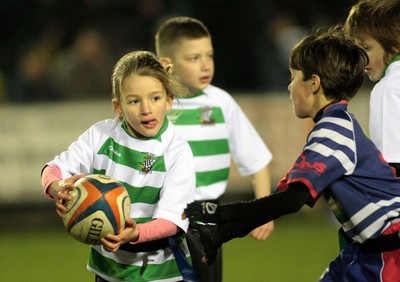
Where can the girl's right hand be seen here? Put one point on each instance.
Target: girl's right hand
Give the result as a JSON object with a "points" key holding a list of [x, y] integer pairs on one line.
{"points": [[59, 191]]}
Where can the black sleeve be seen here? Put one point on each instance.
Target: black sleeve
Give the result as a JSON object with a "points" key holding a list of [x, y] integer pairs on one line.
{"points": [[238, 219], [396, 167]]}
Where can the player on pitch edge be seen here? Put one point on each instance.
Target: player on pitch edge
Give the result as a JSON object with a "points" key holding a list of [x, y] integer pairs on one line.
{"points": [[338, 162], [214, 125]]}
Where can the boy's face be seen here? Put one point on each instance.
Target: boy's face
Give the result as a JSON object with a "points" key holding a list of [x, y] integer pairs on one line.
{"points": [[376, 53], [144, 105], [193, 63], [301, 95]]}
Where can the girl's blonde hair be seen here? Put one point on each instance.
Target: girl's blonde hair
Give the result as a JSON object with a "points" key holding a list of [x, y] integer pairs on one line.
{"points": [[145, 63]]}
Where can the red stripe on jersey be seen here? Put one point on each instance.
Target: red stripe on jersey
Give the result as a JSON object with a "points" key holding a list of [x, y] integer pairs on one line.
{"points": [[391, 270]]}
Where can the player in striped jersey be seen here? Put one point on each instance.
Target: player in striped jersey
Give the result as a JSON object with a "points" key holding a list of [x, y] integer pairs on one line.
{"points": [[338, 162], [214, 125], [142, 150]]}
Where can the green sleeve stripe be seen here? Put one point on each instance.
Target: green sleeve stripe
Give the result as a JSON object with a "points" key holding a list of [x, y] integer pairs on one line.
{"points": [[141, 161], [209, 147], [210, 177], [199, 116]]}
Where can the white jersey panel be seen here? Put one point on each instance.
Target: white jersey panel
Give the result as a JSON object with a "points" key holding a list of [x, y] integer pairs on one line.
{"points": [[205, 132], [385, 114]]}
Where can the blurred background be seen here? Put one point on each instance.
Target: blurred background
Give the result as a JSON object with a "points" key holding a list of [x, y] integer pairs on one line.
{"points": [[55, 50], [56, 59]]}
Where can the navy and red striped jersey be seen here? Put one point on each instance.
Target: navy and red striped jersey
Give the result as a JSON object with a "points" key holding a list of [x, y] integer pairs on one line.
{"points": [[341, 163]]}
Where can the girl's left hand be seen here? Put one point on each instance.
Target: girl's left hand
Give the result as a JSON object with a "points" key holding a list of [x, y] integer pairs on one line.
{"points": [[112, 242]]}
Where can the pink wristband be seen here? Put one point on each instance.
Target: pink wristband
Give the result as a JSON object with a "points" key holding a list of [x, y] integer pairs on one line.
{"points": [[49, 175]]}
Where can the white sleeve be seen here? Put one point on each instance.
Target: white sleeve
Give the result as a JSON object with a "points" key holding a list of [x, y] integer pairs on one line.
{"points": [[179, 186], [78, 158], [249, 151]]}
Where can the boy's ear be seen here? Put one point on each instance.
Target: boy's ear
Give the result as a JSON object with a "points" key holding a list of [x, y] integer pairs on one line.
{"points": [[165, 61], [117, 107], [316, 83]]}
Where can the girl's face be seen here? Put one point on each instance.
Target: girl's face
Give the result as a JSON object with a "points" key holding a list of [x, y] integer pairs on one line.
{"points": [[376, 53], [144, 104], [301, 95], [193, 63]]}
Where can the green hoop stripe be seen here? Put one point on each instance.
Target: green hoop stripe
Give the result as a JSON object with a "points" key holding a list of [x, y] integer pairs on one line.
{"points": [[130, 158], [210, 177], [148, 195], [121, 271], [209, 148]]}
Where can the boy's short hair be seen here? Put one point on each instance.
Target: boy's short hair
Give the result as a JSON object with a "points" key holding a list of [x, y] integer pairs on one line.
{"points": [[176, 29], [337, 60], [378, 19]]}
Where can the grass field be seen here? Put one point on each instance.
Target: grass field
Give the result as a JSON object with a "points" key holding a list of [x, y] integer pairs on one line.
{"points": [[299, 250]]}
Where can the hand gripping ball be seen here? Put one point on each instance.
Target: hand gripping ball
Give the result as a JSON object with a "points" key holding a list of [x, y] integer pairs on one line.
{"points": [[99, 206]]}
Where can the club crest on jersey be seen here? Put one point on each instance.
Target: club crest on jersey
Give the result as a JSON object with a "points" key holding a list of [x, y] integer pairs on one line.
{"points": [[147, 164], [206, 116]]}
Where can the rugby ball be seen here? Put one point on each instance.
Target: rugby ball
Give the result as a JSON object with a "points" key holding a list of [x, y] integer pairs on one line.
{"points": [[99, 206]]}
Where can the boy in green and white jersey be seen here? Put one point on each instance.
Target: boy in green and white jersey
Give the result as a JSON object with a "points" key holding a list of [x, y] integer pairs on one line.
{"points": [[214, 125]]}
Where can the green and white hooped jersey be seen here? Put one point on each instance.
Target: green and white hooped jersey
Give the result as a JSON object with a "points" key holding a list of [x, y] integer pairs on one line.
{"points": [[158, 173], [218, 130]]}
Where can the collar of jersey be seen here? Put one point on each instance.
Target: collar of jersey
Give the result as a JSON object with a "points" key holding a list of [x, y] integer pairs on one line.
{"points": [[394, 59], [157, 136], [201, 92], [321, 112]]}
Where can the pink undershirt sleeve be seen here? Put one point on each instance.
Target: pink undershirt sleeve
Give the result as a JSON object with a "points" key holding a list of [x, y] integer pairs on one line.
{"points": [[156, 229], [50, 174]]}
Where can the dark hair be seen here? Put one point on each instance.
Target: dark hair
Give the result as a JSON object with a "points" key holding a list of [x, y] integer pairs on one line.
{"points": [[175, 29], [379, 19], [337, 60]]}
